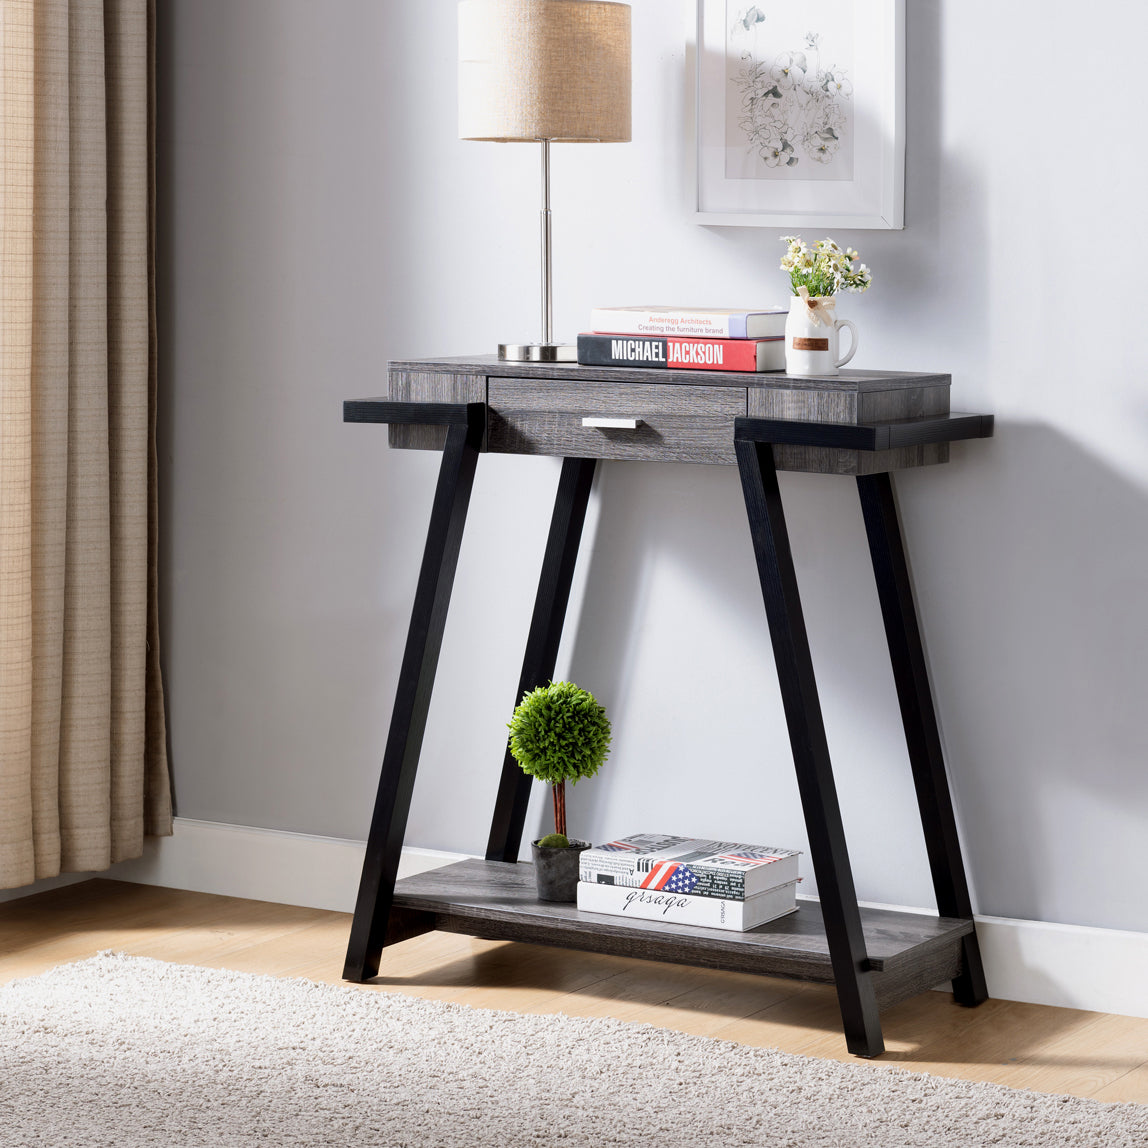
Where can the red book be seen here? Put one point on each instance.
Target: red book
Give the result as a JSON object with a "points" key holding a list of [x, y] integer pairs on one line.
{"points": [[674, 354]]}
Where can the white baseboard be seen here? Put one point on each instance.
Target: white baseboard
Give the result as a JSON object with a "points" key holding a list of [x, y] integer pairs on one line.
{"points": [[1101, 970], [262, 864], [1070, 966], [45, 885]]}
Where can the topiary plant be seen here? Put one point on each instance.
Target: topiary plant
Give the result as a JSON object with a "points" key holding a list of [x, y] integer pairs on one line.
{"points": [[559, 733]]}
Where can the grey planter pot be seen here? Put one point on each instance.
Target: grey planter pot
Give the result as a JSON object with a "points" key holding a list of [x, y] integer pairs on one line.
{"points": [[556, 870]]}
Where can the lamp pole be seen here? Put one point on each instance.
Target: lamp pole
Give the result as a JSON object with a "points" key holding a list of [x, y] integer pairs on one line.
{"points": [[547, 258], [547, 351]]}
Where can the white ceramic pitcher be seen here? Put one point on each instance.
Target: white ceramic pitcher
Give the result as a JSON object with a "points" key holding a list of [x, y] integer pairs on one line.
{"points": [[811, 335]]}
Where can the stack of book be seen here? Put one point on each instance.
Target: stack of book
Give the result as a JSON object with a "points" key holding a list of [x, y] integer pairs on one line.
{"points": [[680, 338], [690, 881]]}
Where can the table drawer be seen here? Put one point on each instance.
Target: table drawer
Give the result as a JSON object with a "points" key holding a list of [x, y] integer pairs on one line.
{"points": [[675, 423]]}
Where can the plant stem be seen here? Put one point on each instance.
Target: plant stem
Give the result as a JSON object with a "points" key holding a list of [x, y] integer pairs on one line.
{"points": [[559, 791]]}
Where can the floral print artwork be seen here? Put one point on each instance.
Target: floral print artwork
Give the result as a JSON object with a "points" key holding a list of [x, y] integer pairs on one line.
{"points": [[791, 104]]}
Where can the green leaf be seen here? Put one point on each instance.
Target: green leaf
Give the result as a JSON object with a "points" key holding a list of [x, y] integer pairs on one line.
{"points": [[559, 732]]}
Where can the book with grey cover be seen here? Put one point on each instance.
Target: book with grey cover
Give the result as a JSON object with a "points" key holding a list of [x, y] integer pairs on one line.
{"points": [[700, 867]]}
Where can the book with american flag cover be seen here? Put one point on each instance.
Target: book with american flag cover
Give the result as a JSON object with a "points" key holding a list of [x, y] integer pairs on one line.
{"points": [[723, 869], [671, 905]]}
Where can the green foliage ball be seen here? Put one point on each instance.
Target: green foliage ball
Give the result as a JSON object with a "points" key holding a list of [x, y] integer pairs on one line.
{"points": [[560, 733], [555, 841]]}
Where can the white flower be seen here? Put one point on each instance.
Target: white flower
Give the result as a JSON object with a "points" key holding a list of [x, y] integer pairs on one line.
{"points": [[822, 146], [858, 280], [836, 83], [789, 70], [750, 17], [778, 155]]}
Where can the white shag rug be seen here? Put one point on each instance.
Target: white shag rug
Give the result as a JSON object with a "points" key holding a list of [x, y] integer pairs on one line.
{"points": [[127, 1051]]}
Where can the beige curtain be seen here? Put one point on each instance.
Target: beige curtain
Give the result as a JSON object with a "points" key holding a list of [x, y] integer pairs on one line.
{"points": [[83, 768]]}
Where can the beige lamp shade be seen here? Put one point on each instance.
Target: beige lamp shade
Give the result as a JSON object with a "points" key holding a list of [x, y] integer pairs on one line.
{"points": [[543, 70]]}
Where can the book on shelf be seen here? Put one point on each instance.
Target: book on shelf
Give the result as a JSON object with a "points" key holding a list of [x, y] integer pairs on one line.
{"points": [[684, 909], [706, 322], [721, 869], [671, 353]]}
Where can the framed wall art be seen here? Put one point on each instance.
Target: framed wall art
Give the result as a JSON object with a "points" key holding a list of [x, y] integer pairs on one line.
{"points": [[799, 113]]}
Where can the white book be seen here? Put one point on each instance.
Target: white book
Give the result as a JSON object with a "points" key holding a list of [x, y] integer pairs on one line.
{"points": [[681, 909], [703, 322]]}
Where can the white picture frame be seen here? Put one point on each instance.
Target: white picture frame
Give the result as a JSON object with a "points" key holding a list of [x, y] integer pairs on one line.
{"points": [[808, 134]]}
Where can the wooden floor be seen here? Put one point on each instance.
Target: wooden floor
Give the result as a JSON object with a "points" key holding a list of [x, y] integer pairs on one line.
{"points": [[1025, 1046]]}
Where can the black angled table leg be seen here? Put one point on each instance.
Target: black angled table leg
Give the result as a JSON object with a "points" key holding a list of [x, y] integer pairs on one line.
{"points": [[412, 699], [911, 673], [542, 644], [855, 991]]}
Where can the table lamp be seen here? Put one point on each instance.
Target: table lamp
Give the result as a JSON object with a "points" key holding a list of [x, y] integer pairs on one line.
{"points": [[543, 71]]}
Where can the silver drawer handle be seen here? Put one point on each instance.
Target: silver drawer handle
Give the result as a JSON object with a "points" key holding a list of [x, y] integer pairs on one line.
{"points": [[611, 424]]}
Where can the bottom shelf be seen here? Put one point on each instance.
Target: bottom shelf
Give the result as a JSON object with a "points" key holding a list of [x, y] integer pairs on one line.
{"points": [[908, 952]]}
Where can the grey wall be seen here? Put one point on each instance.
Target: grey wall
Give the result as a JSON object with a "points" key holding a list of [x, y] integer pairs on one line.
{"points": [[319, 216]]}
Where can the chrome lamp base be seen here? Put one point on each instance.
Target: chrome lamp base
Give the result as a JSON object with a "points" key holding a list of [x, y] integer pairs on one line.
{"points": [[538, 352]]}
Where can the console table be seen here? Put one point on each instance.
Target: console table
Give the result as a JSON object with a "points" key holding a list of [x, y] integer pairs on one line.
{"points": [[860, 423]]}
